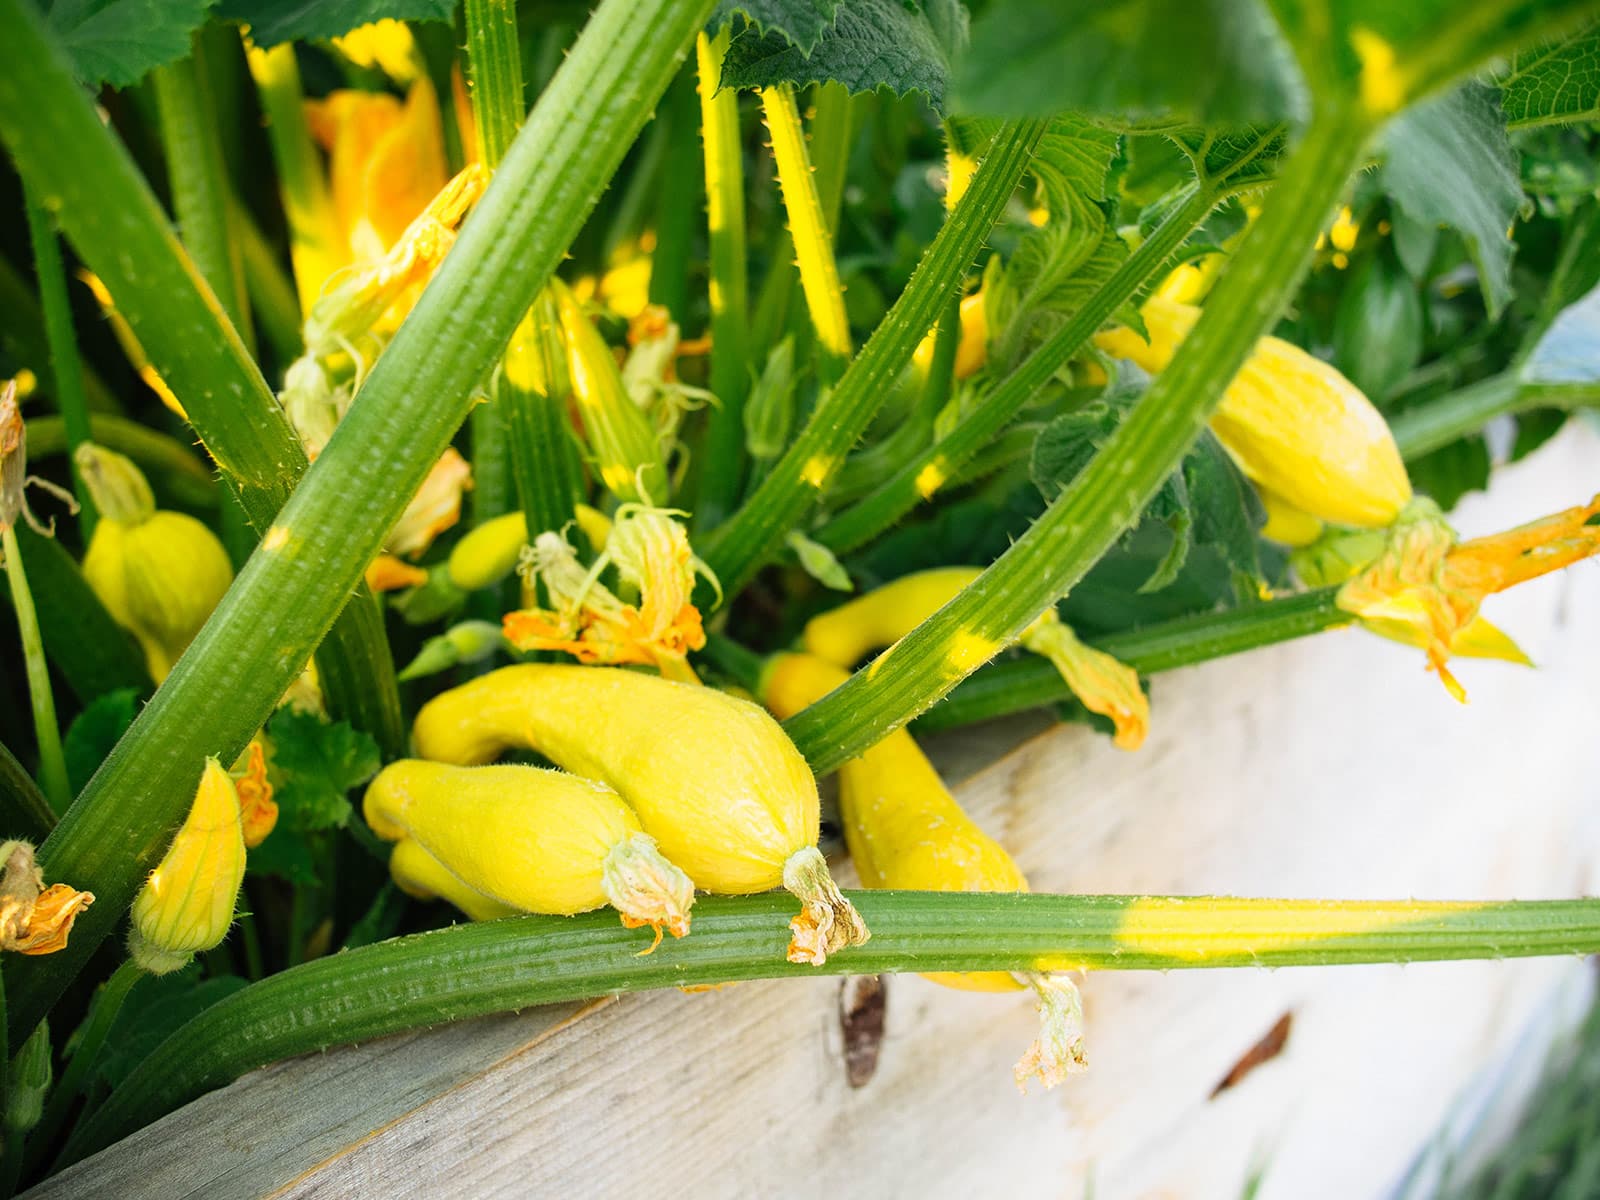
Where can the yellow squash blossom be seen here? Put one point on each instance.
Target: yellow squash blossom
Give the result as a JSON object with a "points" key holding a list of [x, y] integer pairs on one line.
{"points": [[651, 553], [34, 919], [386, 162], [386, 45], [187, 903], [1426, 588], [1293, 423], [258, 811]]}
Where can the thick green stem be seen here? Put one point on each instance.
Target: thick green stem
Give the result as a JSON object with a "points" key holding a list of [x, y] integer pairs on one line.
{"points": [[494, 64], [544, 452], [416, 396], [1108, 495], [1458, 414], [813, 244], [675, 216], [788, 492], [1003, 688], [831, 118], [721, 471], [52, 764], [66, 367], [923, 477], [497, 966], [200, 192]]}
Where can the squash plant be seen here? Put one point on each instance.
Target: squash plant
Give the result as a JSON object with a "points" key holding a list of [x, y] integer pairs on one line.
{"points": [[721, 309]]}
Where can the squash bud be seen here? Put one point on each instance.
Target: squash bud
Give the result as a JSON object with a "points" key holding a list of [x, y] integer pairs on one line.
{"points": [[158, 573]]}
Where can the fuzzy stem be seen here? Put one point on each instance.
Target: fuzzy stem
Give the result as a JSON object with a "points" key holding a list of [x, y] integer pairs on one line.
{"points": [[494, 63], [1463, 412], [52, 763], [722, 460], [66, 365], [544, 452], [813, 245], [924, 476], [738, 549], [200, 187], [1108, 495], [416, 396], [1003, 688], [472, 969]]}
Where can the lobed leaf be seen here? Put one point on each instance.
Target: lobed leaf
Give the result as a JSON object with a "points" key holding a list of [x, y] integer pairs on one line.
{"points": [[1554, 84], [120, 41], [275, 21]]}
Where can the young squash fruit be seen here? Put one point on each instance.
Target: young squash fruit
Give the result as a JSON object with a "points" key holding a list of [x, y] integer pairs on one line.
{"points": [[524, 838], [905, 830], [712, 778]]}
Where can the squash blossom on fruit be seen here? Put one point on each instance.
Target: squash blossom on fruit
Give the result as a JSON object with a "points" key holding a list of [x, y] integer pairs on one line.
{"points": [[713, 779], [34, 919], [1426, 587], [651, 553], [258, 811], [843, 635], [527, 839], [187, 903], [905, 830], [1296, 426], [158, 573]]}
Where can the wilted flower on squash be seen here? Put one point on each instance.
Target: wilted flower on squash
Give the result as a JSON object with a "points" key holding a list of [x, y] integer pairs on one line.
{"points": [[651, 553], [14, 477], [1101, 683], [187, 903], [1426, 588], [34, 919]]}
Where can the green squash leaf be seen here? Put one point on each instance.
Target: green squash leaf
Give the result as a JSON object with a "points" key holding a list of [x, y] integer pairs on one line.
{"points": [[95, 731], [274, 21], [799, 22], [120, 41], [1447, 162], [872, 45], [313, 765], [1190, 60], [1554, 84]]}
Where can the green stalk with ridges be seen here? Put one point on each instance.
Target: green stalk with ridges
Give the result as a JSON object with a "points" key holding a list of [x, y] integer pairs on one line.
{"points": [[1463, 412], [494, 67], [679, 189], [66, 365], [200, 192], [415, 398], [1003, 688], [737, 550], [544, 452], [1108, 495], [722, 459], [813, 244], [47, 734], [500, 966], [923, 477]]}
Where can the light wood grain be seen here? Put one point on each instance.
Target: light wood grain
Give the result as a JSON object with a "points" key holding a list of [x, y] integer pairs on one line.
{"points": [[1334, 766]]}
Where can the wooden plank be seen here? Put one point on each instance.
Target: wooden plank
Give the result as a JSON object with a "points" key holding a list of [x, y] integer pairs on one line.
{"points": [[1334, 766]]}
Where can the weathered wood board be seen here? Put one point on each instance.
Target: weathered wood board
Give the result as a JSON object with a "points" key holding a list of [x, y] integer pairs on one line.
{"points": [[1334, 766]]}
